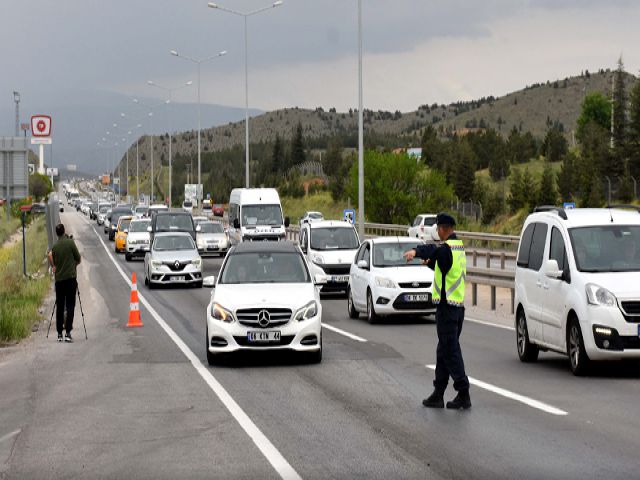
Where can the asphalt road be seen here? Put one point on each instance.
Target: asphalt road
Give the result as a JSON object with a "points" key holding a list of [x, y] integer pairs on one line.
{"points": [[139, 408]]}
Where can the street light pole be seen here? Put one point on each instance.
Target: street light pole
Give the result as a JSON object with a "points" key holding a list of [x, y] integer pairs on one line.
{"points": [[150, 110], [246, 72], [198, 62], [360, 130]]}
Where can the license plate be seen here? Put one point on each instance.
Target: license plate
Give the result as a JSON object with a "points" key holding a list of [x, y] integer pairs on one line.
{"points": [[339, 278], [178, 278], [212, 247], [416, 297], [261, 337]]}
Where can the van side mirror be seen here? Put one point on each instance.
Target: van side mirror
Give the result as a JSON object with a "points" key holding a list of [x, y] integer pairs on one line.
{"points": [[209, 281], [552, 270], [287, 222], [236, 223]]}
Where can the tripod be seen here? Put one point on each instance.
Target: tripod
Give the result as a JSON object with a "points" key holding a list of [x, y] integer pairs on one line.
{"points": [[84, 324]]}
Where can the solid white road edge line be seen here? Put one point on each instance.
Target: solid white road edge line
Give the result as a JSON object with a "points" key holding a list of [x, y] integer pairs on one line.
{"points": [[489, 324], [10, 435], [513, 396], [342, 332], [271, 453]]}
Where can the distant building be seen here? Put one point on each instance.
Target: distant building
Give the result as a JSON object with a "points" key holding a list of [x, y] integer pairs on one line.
{"points": [[413, 152]]}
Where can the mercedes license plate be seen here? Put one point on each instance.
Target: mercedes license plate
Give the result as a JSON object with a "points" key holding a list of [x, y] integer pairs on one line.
{"points": [[262, 337], [177, 278], [339, 278], [416, 297]]}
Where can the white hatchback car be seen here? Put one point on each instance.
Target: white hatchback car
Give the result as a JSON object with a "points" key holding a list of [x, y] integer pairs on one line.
{"points": [[265, 299], [330, 247], [310, 217], [381, 282], [424, 227], [576, 285]]}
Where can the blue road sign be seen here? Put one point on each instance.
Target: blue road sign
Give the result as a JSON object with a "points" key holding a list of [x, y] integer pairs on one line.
{"points": [[349, 215]]}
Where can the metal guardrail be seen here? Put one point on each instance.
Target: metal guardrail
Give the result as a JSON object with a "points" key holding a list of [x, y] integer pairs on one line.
{"points": [[503, 277]]}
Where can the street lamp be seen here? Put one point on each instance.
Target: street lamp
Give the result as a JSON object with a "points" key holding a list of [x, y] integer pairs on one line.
{"points": [[139, 125], [170, 90], [246, 71], [150, 110], [360, 130], [198, 62]]}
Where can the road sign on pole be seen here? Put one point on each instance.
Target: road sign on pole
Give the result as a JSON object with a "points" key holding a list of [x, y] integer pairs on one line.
{"points": [[41, 133], [349, 215]]}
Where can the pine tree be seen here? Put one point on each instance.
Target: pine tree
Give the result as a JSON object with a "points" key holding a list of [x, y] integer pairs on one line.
{"points": [[529, 189], [277, 157], [566, 178], [547, 194], [555, 146], [516, 200], [298, 155], [464, 172], [625, 193], [619, 118], [633, 136]]}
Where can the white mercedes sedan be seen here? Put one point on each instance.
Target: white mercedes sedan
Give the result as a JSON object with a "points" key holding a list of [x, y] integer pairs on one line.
{"points": [[264, 299], [381, 282]]}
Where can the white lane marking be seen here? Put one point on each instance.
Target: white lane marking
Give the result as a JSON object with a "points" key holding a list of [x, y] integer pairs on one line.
{"points": [[10, 435], [489, 324], [513, 396], [342, 332], [271, 453]]}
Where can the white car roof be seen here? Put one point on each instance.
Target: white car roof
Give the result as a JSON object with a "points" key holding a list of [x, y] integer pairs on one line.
{"points": [[173, 234], [407, 240], [589, 217], [330, 223]]}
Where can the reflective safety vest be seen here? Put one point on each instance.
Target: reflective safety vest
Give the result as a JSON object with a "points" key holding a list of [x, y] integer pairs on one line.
{"points": [[454, 280]]}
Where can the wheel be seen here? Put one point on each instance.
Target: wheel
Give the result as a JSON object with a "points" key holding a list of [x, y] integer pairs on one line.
{"points": [[127, 257], [198, 284], [351, 308], [578, 357], [372, 317], [115, 247], [527, 351]]}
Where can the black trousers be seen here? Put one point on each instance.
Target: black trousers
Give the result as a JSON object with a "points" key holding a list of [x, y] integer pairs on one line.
{"points": [[449, 361], [65, 297]]}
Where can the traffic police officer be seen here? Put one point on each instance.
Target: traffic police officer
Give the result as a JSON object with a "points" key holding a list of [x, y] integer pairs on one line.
{"points": [[450, 268]]}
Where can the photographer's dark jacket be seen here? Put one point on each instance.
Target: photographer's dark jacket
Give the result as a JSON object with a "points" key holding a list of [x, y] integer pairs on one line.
{"points": [[65, 258]]}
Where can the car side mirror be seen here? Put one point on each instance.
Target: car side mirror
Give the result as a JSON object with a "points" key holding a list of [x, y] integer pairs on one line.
{"points": [[236, 223], [363, 264], [198, 228], [209, 281], [149, 229], [287, 222], [319, 279], [552, 270]]}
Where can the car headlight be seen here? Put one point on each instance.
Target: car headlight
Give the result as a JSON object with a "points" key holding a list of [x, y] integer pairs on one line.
{"points": [[597, 295], [310, 310], [220, 313], [317, 259], [196, 262], [156, 263], [385, 282]]}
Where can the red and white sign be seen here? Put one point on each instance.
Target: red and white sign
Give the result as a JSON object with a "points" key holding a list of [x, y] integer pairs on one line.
{"points": [[41, 126]]}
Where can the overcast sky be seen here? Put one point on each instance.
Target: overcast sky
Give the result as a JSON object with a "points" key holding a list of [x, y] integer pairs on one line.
{"points": [[304, 53]]}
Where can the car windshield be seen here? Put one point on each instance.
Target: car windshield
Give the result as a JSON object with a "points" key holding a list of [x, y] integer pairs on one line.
{"points": [[261, 215], [334, 238], [142, 210], [173, 242], [187, 203], [174, 222], [124, 224], [607, 248], [315, 215], [104, 209], [139, 226], [265, 267], [115, 216], [211, 228], [390, 254]]}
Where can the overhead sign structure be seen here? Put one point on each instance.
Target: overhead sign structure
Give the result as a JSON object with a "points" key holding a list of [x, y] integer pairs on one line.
{"points": [[14, 172], [52, 172], [72, 167], [41, 135]]}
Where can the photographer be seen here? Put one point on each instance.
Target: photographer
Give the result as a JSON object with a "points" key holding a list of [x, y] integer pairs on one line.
{"points": [[64, 258]]}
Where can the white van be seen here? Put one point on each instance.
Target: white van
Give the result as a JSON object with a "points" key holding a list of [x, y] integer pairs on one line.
{"points": [[256, 214], [330, 247]]}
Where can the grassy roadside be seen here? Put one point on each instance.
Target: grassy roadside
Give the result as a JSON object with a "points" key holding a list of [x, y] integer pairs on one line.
{"points": [[7, 227], [21, 297], [294, 208]]}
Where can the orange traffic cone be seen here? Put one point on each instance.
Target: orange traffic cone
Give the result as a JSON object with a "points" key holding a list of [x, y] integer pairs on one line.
{"points": [[134, 308]]}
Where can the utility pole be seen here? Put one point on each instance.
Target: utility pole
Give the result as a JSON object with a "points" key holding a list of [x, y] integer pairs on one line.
{"points": [[16, 98]]}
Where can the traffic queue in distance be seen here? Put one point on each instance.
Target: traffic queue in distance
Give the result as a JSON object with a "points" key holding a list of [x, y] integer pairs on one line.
{"points": [[576, 274]]}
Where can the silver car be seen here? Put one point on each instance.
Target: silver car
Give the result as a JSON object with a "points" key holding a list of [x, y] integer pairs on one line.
{"points": [[173, 260], [138, 239], [212, 239]]}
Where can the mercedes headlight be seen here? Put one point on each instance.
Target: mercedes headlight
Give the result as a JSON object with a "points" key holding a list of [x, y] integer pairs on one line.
{"points": [[597, 295], [310, 310], [317, 259], [385, 282], [220, 313]]}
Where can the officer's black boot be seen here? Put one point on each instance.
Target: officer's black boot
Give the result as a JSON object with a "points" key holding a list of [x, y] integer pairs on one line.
{"points": [[435, 400], [461, 402]]}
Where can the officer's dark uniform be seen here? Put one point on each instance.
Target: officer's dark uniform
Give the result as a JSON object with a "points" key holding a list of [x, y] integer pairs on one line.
{"points": [[448, 265]]}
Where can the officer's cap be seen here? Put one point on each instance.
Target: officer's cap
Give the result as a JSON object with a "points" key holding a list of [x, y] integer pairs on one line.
{"points": [[445, 219]]}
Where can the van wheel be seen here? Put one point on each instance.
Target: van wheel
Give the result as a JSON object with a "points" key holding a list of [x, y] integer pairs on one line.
{"points": [[127, 257], [372, 316], [527, 351], [351, 308], [578, 358]]}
